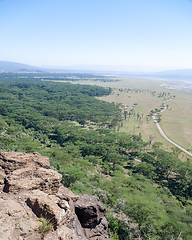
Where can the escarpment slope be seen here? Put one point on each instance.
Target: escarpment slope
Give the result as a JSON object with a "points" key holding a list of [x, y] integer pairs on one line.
{"points": [[34, 205]]}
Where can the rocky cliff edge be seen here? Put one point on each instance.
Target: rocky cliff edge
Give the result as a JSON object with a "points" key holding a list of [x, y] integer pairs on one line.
{"points": [[34, 205]]}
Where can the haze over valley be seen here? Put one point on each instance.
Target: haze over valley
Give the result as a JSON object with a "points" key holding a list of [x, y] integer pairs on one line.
{"points": [[96, 120]]}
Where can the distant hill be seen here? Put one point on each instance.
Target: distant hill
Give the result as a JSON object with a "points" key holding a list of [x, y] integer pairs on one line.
{"points": [[13, 66]]}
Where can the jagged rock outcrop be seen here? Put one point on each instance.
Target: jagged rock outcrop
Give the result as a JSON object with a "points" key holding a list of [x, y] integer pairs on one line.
{"points": [[91, 214], [33, 199]]}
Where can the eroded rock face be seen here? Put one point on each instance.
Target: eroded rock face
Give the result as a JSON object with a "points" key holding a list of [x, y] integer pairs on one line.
{"points": [[29, 178], [11, 161], [29, 189], [91, 215]]}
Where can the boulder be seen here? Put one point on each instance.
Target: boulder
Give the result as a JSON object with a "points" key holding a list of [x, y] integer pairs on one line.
{"points": [[40, 178], [11, 161], [48, 206], [91, 215]]}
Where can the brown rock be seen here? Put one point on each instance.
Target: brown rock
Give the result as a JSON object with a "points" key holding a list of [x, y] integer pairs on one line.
{"points": [[2, 177], [11, 161], [43, 179], [47, 206], [29, 189], [65, 193], [14, 220]]}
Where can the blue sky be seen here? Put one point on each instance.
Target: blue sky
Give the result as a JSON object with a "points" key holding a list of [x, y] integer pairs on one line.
{"points": [[127, 34]]}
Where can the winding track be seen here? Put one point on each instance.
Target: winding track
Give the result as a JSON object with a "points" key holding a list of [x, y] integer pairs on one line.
{"points": [[164, 136]]}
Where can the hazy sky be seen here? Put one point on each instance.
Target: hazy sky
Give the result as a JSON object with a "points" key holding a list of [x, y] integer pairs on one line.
{"points": [[97, 32]]}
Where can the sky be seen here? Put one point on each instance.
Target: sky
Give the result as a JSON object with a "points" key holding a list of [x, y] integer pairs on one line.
{"points": [[119, 34]]}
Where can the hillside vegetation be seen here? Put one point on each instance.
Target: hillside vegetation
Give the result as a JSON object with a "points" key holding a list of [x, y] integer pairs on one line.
{"points": [[147, 190]]}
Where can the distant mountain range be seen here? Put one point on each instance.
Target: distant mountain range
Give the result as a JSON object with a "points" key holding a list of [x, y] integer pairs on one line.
{"points": [[181, 74], [14, 67]]}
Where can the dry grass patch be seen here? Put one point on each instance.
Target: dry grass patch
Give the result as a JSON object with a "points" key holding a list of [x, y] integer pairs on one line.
{"points": [[177, 120]]}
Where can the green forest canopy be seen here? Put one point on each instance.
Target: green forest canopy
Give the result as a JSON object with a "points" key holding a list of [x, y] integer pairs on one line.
{"points": [[149, 197]]}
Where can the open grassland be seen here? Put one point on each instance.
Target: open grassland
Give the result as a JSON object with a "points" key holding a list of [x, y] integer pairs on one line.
{"points": [[176, 121], [139, 103], [144, 101]]}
